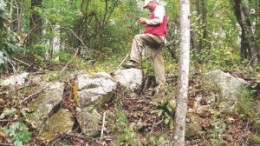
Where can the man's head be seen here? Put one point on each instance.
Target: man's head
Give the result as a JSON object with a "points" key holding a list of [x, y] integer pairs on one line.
{"points": [[150, 4]]}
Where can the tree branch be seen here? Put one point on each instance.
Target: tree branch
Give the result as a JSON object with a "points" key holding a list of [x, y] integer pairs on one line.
{"points": [[63, 69], [34, 94]]}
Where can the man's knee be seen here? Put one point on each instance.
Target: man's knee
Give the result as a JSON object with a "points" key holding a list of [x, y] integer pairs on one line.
{"points": [[137, 36]]}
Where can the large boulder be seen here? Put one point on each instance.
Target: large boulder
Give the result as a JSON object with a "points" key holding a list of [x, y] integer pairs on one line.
{"points": [[131, 79], [228, 87], [59, 123], [96, 87], [89, 121], [44, 103], [226, 83]]}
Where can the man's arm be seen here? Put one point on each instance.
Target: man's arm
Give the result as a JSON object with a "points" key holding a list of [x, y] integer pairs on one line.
{"points": [[158, 16]]}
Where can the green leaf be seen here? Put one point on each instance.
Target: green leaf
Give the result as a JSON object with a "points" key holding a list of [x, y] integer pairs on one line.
{"points": [[166, 121], [258, 121], [9, 111], [18, 133], [169, 108], [159, 112], [18, 143]]}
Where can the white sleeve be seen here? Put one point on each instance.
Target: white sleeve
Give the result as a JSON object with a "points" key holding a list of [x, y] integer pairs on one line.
{"points": [[159, 13]]}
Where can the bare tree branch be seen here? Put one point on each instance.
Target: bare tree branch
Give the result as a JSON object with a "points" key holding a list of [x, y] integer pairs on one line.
{"points": [[34, 94], [63, 69]]}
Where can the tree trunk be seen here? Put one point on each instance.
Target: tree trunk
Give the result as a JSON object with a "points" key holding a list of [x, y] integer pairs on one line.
{"points": [[203, 23], [35, 24], [19, 16], [182, 95], [55, 44], [195, 45], [248, 42], [198, 39], [10, 17], [204, 20], [16, 11], [257, 26]]}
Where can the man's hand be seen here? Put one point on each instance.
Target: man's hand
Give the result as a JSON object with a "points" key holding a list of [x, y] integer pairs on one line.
{"points": [[142, 20]]}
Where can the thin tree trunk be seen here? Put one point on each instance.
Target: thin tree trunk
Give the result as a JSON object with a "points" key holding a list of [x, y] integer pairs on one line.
{"points": [[55, 45], [195, 45], [183, 79], [16, 11], [257, 26], [19, 16], [10, 17], [35, 24], [248, 42], [204, 22]]}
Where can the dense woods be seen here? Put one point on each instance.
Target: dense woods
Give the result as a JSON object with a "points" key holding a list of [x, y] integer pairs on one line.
{"points": [[64, 36], [220, 28]]}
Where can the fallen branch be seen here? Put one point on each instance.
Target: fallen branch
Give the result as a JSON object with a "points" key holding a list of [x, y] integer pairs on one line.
{"points": [[6, 92], [103, 125], [5, 144], [67, 135], [156, 124], [24, 63], [34, 94], [7, 120]]}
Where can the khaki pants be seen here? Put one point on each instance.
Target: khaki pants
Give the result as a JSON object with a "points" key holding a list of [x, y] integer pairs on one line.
{"points": [[154, 42]]}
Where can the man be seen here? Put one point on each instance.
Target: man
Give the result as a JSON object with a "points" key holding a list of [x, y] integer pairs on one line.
{"points": [[153, 37]]}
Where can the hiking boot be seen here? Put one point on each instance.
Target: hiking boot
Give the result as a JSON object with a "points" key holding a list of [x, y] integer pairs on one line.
{"points": [[130, 64]]}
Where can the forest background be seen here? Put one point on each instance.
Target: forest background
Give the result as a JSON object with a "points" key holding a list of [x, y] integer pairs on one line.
{"points": [[96, 35], [224, 34]]}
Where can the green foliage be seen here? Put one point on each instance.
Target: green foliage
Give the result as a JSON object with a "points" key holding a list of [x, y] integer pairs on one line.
{"points": [[18, 133], [126, 134], [2, 12], [121, 118], [37, 53], [157, 140], [166, 110], [54, 76], [60, 12], [215, 58], [218, 127], [217, 142], [9, 44], [255, 86], [216, 39], [9, 111], [245, 101]]}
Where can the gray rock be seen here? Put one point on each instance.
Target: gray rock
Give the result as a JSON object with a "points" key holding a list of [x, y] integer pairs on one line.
{"points": [[227, 87], [227, 84], [59, 123], [44, 103], [131, 79], [99, 86], [17, 79], [89, 121]]}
